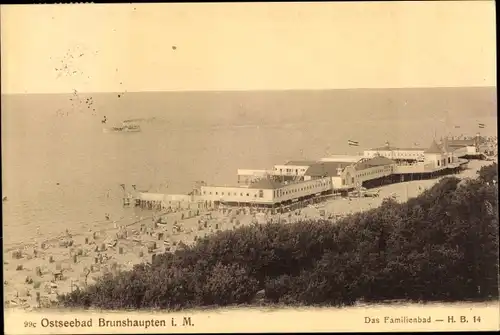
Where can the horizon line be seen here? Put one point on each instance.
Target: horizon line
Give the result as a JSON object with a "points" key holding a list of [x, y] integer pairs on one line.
{"points": [[247, 90]]}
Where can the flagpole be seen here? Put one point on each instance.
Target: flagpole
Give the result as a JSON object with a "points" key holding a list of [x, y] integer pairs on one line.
{"points": [[446, 123]]}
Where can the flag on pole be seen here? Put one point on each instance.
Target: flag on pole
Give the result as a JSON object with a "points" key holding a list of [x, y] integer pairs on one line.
{"points": [[481, 125], [353, 143]]}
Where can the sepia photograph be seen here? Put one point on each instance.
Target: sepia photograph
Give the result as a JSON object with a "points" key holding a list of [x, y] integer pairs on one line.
{"points": [[249, 167]]}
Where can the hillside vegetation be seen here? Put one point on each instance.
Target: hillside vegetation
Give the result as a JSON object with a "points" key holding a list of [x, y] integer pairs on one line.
{"points": [[440, 246]]}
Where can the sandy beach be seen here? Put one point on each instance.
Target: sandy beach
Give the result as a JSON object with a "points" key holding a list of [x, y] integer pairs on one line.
{"points": [[37, 271]]}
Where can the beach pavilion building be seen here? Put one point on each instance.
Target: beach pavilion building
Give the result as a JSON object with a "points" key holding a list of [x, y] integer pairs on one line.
{"points": [[267, 192], [346, 176], [341, 174], [437, 156], [439, 159], [465, 148], [299, 182], [420, 163], [373, 172], [399, 155]]}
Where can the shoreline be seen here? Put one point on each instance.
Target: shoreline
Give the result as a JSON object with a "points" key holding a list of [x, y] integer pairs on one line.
{"points": [[34, 241], [56, 265]]}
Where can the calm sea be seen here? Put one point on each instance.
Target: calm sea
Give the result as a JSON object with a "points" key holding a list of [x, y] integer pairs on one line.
{"points": [[59, 170]]}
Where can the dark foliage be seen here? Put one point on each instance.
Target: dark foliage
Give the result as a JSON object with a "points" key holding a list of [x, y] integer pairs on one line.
{"points": [[489, 173], [442, 246]]}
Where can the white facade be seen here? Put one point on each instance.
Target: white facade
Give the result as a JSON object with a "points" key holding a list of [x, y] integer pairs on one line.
{"points": [[342, 159], [437, 156], [236, 194], [374, 172], [283, 193], [436, 160], [416, 154], [337, 183], [346, 176], [466, 150], [346, 179], [440, 161], [303, 189]]}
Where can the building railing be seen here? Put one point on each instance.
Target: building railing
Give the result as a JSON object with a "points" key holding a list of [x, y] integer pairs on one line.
{"points": [[417, 168]]}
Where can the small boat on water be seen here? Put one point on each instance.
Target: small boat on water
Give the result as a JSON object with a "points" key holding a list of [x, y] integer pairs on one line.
{"points": [[125, 128], [137, 120]]}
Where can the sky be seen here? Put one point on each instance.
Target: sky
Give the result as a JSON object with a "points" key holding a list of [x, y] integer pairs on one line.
{"points": [[245, 46]]}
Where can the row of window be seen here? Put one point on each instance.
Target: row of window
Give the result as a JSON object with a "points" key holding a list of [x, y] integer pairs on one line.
{"points": [[247, 180], [411, 154], [234, 193], [364, 174], [276, 193], [279, 193], [291, 170], [398, 154]]}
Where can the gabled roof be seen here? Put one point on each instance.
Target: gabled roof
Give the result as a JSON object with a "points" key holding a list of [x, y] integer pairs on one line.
{"points": [[434, 149], [266, 184], [372, 162], [445, 147], [301, 163], [326, 169]]}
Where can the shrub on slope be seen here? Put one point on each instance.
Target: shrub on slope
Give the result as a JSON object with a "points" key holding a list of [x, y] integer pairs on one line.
{"points": [[489, 173]]}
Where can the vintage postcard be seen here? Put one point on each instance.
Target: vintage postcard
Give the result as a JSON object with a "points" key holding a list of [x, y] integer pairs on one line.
{"points": [[249, 167]]}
